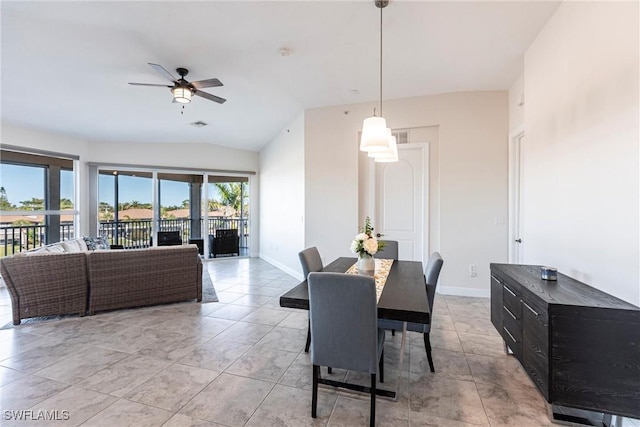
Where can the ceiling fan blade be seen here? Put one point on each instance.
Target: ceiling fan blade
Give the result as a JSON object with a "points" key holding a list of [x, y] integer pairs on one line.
{"points": [[149, 84], [207, 83], [160, 70], [210, 97]]}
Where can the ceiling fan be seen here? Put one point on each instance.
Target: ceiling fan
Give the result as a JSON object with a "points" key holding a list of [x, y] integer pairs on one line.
{"points": [[181, 89]]}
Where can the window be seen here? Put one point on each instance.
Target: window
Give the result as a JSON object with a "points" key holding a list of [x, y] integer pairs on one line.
{"points": [[36, 201], [125, 207]]}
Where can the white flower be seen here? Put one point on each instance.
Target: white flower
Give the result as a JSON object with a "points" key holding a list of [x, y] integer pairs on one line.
{"points": [[371, 245], [362, 237], [354, 246]]}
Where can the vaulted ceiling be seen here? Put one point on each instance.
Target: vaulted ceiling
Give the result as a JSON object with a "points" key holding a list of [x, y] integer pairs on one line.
{"points": [[66, 65]]}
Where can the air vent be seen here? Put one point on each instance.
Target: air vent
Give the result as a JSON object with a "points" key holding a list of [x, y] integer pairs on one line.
{"points": [[199, 124], [402, 136]]}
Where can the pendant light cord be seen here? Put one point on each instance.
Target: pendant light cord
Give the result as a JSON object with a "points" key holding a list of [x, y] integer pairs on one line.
{"points": [[381, 61]]}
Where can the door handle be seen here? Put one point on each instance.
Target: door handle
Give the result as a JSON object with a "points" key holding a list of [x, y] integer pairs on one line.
{"points": [[518, 240], [378, 235]]}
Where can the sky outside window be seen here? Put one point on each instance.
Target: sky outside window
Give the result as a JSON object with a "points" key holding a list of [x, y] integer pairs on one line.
{"points": [[22, 183]]}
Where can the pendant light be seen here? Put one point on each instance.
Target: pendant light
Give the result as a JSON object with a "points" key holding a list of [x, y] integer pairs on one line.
{"points": [[390, 155], [376, 137]]}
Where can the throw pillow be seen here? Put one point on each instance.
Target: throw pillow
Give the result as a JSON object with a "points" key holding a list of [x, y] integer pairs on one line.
{"points": [[94, 243], [72, 245], [55, 248]]}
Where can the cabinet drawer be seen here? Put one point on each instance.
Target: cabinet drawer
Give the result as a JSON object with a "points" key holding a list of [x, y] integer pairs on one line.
{"points": [[512, 323], [513, 341], [511, 299]]}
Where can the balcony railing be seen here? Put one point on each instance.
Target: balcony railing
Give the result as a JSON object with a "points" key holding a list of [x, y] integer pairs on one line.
{"points": [[129, 234], [18, 238]]}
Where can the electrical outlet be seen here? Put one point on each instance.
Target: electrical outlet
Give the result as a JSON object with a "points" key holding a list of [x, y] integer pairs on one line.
{"points": [[472, 270]]}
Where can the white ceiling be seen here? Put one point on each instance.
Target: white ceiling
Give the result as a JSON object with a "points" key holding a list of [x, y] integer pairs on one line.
{"points": [[66, 65]]}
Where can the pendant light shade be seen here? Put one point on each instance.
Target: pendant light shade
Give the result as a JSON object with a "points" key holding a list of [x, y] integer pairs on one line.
{"points": [[387, 150], [391, 155], [376, 138], [374, 135], [388, 155]]}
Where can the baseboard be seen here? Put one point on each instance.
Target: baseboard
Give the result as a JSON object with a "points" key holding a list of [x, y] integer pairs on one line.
{"points": [[280, 266], [464, 292]]}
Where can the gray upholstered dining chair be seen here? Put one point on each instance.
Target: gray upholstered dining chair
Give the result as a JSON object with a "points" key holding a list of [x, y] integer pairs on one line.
{"points": [[431, 273], [390, 250], [311, 262], [344, 329]]}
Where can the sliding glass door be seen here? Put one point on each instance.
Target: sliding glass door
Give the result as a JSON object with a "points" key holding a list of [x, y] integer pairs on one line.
{"points": [[228, 208], [125, 207], [135, 205]]}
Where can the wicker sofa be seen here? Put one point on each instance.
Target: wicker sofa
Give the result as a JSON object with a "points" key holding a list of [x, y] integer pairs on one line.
{"points": [[51, 282]]}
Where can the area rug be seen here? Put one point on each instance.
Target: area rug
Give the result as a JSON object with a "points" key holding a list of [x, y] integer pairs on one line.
{"points": [[208, 295], [208, 291]]}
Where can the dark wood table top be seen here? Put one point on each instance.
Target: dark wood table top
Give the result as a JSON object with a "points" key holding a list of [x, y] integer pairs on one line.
{"points": [[403, 298], [564, 291]]}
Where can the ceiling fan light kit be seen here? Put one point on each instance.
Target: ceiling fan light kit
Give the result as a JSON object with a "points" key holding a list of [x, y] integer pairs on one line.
{"points": [[183, 90], [376, 138], [181, 95]]}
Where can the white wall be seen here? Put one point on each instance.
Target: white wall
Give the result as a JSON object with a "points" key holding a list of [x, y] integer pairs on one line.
{"points": [[581, 116], [282, 178], [517, 104], [471, 160], [331, 180], [180, 155]]}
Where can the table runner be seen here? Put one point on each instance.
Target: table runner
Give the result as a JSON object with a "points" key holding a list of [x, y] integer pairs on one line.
{"points": [[383, 266]]}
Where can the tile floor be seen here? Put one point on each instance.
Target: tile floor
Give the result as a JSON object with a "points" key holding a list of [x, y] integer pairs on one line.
{"points": [[240, 362]]}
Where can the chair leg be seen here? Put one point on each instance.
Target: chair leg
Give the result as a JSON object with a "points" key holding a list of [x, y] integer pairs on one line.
{"points": [[308, 344], [427, 347], [372, 416], [393, 332], [329, 370], [314, 393], [381, 366]]}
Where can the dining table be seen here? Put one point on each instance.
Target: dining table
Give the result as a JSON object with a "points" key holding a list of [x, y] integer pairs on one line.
{"points": [[403, 297]]}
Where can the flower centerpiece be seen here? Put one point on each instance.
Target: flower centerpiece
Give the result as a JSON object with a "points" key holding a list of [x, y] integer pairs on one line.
{"points": [[365, 245]]}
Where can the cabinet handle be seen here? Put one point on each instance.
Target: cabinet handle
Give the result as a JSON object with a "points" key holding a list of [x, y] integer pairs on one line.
{"points": [[509, 290], [510, 313], [509, 333], [531, 309], [495, 278]]}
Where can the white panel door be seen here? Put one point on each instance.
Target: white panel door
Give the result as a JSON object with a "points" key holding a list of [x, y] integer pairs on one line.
{"points": [[402, 201], [516, 184]]}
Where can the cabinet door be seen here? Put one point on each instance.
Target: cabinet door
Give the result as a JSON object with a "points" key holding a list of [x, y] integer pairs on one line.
{"points": [[512, 317], [496, 303], [535, 346]]}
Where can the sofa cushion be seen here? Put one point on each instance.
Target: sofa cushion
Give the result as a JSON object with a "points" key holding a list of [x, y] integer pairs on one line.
{"points": [[50, 249], [74, 245]]}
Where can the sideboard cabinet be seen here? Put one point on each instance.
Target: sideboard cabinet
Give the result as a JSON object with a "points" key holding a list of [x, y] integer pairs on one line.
{"points": [[580, 346]]}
